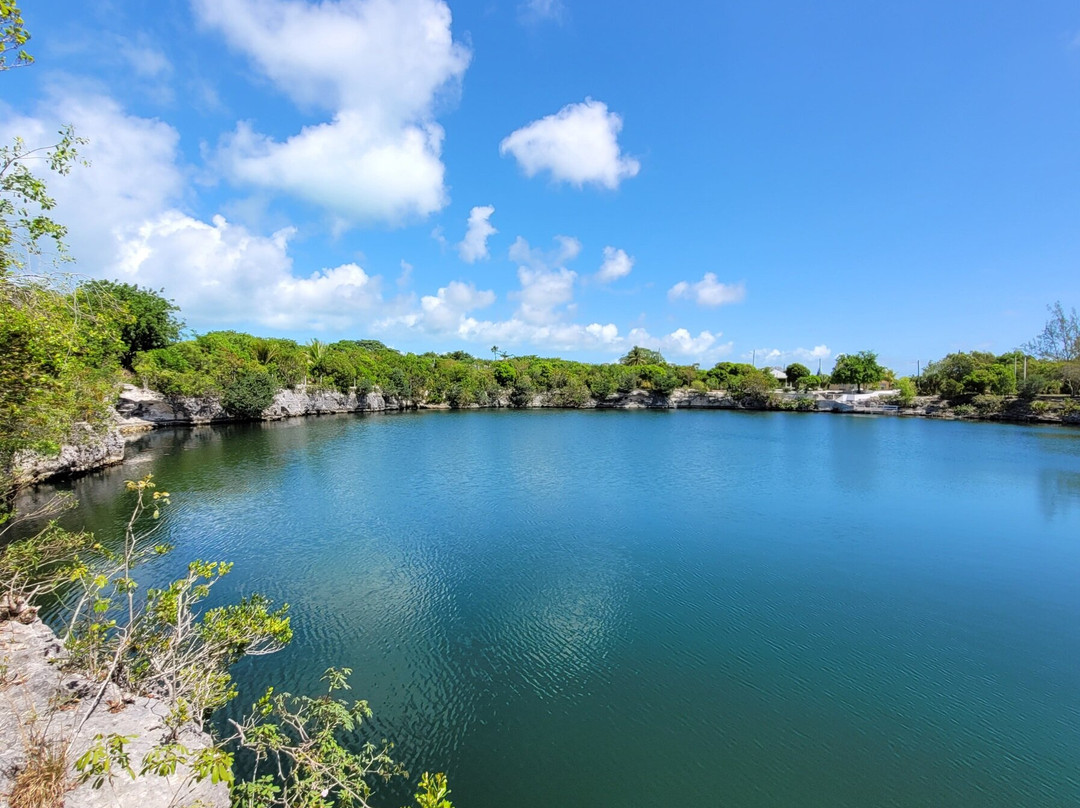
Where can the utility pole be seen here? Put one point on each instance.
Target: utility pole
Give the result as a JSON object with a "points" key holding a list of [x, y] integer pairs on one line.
{"points": [[754, 359]]}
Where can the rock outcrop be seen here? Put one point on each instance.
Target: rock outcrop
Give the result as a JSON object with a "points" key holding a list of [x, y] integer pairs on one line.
{"points": [[88, 449], [145, 409], [40, 703]]}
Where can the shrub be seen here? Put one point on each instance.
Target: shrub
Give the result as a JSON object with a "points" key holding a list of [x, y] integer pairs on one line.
{"points": [[905, 389], [522, 392], [249, 392], [574, 394], [988, 404]]}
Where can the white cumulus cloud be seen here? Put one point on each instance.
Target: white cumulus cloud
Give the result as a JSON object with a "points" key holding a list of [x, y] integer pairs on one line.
{"points": [[123, 222], [546, 283], [223, 274], [357, 171], [379, 68], [617, 264], [681, 344], [578, 144], [474, 246], [445, 310], [134, 171], [708, 291]]}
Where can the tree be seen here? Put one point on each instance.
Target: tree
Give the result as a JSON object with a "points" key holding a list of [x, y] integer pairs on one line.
{"points": [[1060, 337], [796, 371], [13, 35], [316, 357], [149, 322], [858, 369], [24, 200], [642, 356]]}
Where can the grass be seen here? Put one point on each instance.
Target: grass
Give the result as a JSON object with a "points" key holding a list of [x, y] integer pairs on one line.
{"points": [[44, 780]]}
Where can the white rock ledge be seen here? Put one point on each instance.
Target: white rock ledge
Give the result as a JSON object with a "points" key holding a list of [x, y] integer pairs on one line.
{"points": [[33, 686]]}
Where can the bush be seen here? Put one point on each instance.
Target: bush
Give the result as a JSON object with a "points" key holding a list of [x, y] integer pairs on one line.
{"points": [[988, 404], [1032, 386], [574, 394], [522, 392], [249, 392], [905, 392]]}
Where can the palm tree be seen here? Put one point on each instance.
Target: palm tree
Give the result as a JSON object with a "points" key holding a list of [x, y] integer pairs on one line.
{"points": [[316, 356], [642, 356], [494, 351], [265, 352]]}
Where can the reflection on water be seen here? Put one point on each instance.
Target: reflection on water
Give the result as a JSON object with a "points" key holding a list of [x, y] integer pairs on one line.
{"points": [[670, 608], [1059, 491]]}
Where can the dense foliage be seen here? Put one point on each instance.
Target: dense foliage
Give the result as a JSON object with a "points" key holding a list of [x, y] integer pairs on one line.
{"points": [[144, 316], [61, 364], [858, 369]]}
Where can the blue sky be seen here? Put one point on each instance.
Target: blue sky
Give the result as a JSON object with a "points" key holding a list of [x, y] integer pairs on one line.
{"points": [[782, 180]]}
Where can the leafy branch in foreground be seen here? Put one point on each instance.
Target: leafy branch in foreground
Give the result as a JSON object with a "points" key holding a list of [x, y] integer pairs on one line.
{"points": [[307, 750], [13, 34], [299, 739], [25, 201]]}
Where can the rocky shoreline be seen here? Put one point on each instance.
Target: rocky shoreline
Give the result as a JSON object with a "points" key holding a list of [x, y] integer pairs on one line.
{"points": [[45, 707], [138, 410]]}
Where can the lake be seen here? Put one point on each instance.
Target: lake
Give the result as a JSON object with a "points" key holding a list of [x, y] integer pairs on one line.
{"points": [[574, 608]]}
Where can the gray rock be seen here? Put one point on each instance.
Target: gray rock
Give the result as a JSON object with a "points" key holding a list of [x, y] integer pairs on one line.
{"points": [[87, 449], [38, 700]]}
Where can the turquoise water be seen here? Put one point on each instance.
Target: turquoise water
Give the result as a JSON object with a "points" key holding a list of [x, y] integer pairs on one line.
{"points": [[662, 608]]}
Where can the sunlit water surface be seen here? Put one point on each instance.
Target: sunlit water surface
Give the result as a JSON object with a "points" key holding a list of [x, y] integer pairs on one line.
{"points": [[660, 608]]}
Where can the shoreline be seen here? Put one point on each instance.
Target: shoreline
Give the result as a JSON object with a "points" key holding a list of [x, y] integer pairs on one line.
{"points": [[138, 411]]}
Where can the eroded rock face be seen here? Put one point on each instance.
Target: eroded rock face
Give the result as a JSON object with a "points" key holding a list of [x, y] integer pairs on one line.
{"points": [[139, 408], [143, 409], [38, 700], [87, 450]]}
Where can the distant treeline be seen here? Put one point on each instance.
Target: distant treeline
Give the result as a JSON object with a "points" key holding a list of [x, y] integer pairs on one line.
{"points": [[215, 363], [66, 351]]}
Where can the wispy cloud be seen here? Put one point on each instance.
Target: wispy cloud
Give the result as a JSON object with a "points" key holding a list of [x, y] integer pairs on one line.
{"points": [[708, 291], [776, 356], [538, 11]]}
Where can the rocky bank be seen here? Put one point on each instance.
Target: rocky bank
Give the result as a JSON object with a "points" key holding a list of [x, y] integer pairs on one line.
{"points": [[41, 703], [138, 409]]}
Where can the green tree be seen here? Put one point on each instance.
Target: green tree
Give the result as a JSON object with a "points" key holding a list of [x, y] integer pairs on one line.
{"points": [[642, 356], [795, 372], [149, 322], [858, 369], [248, 393], [905, 391], [316, 358]]}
